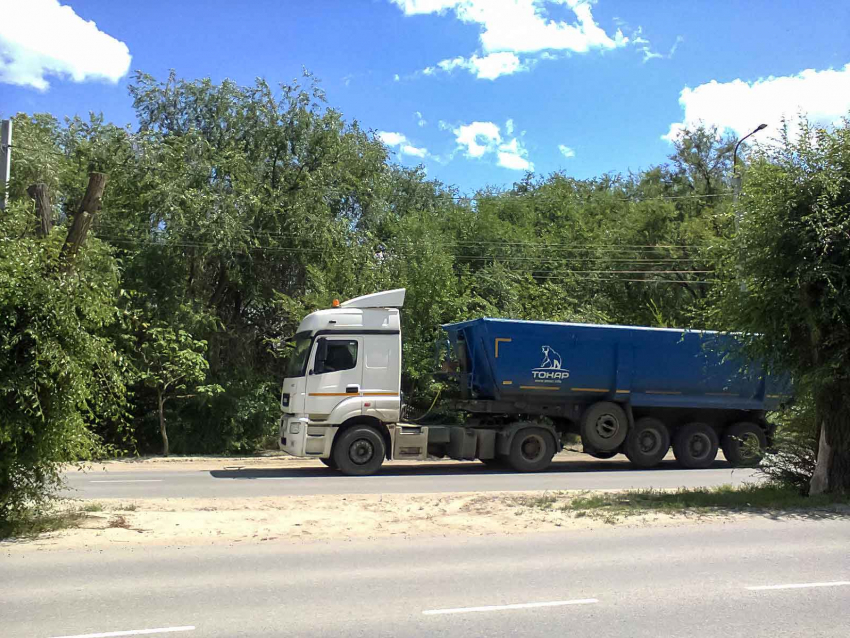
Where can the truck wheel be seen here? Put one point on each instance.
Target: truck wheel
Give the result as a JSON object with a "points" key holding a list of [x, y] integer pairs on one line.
{"points": [[695, 445], [359, 451], [647, 442], [532, 450], [738, 442], [330, 463], [604, 455], [604, 426]]}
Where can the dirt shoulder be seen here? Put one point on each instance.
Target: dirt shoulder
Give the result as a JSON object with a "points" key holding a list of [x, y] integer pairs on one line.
{"points": [[294, 519]]}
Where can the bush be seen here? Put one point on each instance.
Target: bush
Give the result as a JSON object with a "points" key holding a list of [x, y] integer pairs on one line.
{"points": [[58, 370], [790, 462]]}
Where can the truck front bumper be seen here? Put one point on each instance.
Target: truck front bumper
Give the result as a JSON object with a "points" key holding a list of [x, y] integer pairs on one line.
{"points": [[299, 437]]}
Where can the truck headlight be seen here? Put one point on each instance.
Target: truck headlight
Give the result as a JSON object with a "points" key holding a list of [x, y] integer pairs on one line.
{"points": [[294, 427]]}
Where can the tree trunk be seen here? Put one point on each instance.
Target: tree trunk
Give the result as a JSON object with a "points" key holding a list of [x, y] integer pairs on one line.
{"points": [[83, 220], [161, 404], [43, 211], [832, 470]]}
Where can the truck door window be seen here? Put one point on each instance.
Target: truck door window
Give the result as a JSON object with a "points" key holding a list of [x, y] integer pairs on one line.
{"points": [[338, 355]]}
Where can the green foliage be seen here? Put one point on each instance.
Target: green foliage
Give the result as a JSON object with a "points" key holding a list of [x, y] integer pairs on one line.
{"points": [[59, 370], [787, 284]]}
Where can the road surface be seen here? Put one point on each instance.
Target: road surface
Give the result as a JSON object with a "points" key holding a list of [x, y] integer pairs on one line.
{"points": [[764, 578], [421, 478]]}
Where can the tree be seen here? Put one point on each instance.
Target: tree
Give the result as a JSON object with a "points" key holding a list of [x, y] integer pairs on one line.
{"points": [[173, 364], [60, 370], [787, 288]]}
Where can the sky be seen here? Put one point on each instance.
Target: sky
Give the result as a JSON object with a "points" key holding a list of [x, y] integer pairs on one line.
{"points": [[478, 92]]}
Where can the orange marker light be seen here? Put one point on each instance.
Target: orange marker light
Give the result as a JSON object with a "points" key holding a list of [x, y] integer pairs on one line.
{"points": [[335, 303]]}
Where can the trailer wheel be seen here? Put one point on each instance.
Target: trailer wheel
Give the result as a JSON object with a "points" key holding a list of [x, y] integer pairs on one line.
{"points": [[532, 450], [738, 442], [330, 463], [647, 442], [695, 445], [604, 426], [603, 455], [359, 451]]}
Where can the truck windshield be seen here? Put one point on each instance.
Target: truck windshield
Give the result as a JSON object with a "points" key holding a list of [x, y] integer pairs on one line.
{"points": [[298, 357]]}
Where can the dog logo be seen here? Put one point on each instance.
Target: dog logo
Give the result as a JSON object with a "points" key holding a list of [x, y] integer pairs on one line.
{"points": [[551, 368]]}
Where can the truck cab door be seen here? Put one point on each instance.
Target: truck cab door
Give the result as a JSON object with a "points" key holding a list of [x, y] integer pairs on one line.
{"points": [[334, 374]]}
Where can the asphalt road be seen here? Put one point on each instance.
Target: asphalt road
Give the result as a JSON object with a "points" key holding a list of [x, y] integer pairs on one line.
{"points": [[418, 478], [763, 578]]}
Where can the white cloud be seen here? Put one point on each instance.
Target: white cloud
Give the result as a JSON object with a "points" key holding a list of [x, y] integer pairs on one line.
{"points": [[823, 96], [396, 77], [420, 121], [648, 54], [488, 67], [480, 139], [566, 151], [524, 26], [514, 156], [509, 126], [401, 144], [40, 38]]}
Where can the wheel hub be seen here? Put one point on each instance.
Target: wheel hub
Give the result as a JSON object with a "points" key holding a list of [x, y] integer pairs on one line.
{"points": [[699, 446], [649, 442], [607, 426], [361, 451], [532, 448]]}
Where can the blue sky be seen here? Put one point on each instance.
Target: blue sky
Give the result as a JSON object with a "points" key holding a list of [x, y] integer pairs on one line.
{"points": [[583, 87]]}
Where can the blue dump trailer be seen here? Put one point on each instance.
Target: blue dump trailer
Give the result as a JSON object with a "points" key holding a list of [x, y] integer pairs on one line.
{"points": [[622, 389]]}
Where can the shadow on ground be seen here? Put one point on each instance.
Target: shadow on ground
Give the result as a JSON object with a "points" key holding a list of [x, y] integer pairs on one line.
{"points": [[454, 469]]}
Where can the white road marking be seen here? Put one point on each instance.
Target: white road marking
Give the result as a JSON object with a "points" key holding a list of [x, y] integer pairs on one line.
{"points": [[134, 632], [468, 610], [837, 583], [129, 481]]}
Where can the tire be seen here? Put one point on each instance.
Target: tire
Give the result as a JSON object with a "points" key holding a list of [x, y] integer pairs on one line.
{"points": [[359, 451], [735, 444], [604, 427], [330, 463], [532, 450], [647, 442], [604, 455], [695, 445]]}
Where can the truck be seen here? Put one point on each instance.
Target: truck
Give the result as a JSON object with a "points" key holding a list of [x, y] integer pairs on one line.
{"points": [[525, 388]]}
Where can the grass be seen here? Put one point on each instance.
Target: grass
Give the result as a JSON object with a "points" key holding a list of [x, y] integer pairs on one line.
{"points": [[32, 524], [725, 499]]}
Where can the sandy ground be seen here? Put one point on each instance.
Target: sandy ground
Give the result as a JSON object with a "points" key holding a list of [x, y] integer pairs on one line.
{"points": [[294, 519]]}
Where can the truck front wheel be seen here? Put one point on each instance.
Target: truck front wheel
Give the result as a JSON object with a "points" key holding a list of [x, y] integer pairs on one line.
{"points": [[647, 442], [695, 445], [532, 450], [359, 451]]}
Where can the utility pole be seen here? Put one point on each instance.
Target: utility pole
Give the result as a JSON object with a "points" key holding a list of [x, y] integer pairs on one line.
{"points": [[5, 160]]}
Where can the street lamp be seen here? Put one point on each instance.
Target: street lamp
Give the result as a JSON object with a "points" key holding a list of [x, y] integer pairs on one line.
{"points": [[735, 154], [736, 185], [736, 179]]}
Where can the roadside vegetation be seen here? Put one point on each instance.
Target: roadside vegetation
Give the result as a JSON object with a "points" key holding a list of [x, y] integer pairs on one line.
{"points": [[153, 321], [772, 500]]}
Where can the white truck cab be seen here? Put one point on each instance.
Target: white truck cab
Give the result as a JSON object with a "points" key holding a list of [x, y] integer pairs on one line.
{"points": [[345, 372]]}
